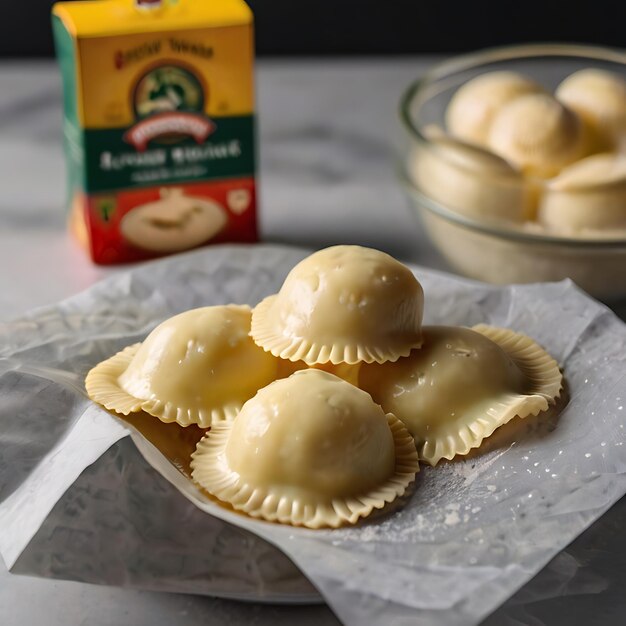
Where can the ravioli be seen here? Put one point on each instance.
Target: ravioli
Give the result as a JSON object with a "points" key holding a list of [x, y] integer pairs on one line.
{"points": [[309, 450], [197, 367], [344, 304], [462, 385]]}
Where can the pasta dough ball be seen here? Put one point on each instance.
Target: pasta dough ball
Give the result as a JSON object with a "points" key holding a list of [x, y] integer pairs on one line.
{"points": [[588, 195], [472, 108], [470, 180], [539, 135], [599, 97]]}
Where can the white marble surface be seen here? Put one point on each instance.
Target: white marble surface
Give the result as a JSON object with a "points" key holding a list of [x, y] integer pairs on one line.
{"points": [[327, 133]]}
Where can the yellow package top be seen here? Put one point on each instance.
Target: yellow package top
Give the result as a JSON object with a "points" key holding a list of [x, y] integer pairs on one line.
{"points": [[97, 18]]}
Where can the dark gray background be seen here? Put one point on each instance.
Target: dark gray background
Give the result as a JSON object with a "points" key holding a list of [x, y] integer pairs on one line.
{"points": [[354, 27]]}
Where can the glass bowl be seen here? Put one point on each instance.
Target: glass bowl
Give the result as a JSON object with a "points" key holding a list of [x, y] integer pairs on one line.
{"points": [[498, 249]]}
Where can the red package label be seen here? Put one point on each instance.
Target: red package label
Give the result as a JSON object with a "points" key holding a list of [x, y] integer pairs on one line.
{"points": [[137, 224]]}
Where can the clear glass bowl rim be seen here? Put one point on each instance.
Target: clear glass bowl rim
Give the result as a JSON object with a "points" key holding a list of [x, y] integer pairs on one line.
{"points": [[473, 61]]}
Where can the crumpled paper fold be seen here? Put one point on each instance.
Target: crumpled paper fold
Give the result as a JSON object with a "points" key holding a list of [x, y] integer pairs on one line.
{"points": [[79, 501]]}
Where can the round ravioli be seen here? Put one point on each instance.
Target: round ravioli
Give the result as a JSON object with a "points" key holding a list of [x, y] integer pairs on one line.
{"points": [[197, 367], [344, 304], [309, 450], [462, 385]]}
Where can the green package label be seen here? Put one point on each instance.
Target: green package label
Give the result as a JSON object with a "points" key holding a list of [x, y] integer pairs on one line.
{"points": [[121, 158]]}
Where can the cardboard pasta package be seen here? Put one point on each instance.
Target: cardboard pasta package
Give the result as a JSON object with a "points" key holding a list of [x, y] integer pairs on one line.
{"points": [[158, 124]]}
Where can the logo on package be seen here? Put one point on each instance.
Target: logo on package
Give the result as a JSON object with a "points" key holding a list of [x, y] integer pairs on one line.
{"points": [[168, 103]]}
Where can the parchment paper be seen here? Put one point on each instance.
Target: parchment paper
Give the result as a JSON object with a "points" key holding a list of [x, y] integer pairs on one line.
{"points": [[77, 501]]}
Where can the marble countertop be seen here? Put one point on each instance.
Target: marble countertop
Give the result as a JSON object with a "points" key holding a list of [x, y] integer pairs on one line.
{"points": [[328, 136]]}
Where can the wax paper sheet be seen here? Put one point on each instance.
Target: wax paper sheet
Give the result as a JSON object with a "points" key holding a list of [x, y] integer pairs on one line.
{"points": [[77, 500]]}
